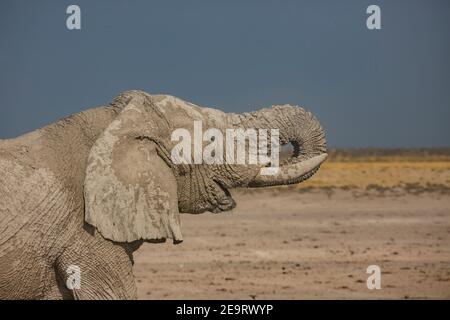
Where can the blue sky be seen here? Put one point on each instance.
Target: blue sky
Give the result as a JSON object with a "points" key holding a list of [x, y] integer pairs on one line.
{"points": [[383, 88]]}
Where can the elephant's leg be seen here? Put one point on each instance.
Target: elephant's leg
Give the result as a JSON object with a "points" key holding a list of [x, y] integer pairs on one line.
{"points": [[104, 270]]}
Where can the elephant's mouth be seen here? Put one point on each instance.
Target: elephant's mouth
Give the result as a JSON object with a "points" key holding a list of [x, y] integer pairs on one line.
{"points": [[290, 173], [295, 169]]}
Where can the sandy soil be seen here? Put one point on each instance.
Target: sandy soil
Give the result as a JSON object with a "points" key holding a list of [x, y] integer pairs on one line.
{"points": [[294, 244]]}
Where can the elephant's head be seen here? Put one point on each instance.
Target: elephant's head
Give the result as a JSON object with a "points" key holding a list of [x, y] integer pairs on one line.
{"points": [[134, 189]]}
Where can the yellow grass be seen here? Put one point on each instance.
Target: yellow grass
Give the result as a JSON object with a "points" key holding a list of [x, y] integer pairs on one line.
{"points": [[382, 174]]}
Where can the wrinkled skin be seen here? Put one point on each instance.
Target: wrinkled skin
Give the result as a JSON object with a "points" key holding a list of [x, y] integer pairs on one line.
{"points": [[89, 189]]}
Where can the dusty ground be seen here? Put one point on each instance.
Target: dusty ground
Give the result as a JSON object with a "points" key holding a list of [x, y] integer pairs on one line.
{"points": [[315, 240]]}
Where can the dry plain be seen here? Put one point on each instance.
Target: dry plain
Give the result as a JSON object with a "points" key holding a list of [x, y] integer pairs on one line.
{"points": [[316, 239]]}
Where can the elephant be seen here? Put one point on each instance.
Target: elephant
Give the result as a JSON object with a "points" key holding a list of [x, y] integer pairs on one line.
{"points": [[87, 191]]}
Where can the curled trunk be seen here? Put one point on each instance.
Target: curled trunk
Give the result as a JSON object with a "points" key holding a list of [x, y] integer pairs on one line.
{"points": [[298, 127]]}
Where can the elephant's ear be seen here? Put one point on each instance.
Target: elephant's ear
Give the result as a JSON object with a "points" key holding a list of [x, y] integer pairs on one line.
{"points": [[130, 192]]}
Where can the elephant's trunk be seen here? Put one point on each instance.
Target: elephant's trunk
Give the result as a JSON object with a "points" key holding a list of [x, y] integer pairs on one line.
{"points": [[302, 130]]}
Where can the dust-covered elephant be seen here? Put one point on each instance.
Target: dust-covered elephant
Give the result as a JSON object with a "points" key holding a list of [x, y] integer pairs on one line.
{"points": [[79, 196]]}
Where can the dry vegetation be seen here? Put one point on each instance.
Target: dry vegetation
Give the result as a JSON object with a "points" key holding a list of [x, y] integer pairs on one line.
{"points": [[384, 170]]}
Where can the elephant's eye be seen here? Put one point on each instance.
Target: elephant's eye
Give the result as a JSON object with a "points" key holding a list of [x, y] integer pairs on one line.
{"points": [[213, 138]]}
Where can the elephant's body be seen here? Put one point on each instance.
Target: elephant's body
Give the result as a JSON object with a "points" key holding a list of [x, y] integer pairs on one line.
{"points": [[56, 210], [42, 213]]}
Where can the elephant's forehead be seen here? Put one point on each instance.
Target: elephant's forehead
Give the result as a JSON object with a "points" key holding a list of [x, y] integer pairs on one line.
{"points": [[176, 106], [171, 105]]}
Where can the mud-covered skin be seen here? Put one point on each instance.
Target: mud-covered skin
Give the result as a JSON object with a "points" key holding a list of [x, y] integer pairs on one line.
{"points": [[41, 211], [90, 188]]}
